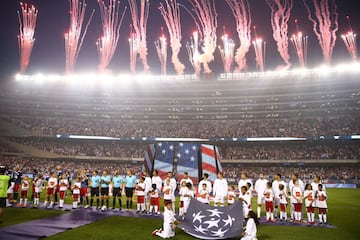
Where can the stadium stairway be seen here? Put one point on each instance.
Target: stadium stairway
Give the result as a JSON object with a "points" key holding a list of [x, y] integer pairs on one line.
{"points": [[31, 151], [11, 130]]}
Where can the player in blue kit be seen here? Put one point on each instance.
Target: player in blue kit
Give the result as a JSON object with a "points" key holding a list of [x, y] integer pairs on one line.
{"points": [[105, 181], [130, 182], [95, 186], [117, 182]]}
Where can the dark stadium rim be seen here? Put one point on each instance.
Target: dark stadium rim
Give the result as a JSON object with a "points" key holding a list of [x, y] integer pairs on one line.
{"points": [[210, 140]]}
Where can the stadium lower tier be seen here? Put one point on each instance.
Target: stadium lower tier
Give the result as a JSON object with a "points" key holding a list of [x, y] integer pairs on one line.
{"points": [[336, 172], [244, 151]]}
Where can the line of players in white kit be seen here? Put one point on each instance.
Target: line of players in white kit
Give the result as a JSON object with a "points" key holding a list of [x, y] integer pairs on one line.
{"points": [[278, 197]]}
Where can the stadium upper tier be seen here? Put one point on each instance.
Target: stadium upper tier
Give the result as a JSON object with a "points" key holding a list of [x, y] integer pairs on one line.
{"points": [[286, 106]]}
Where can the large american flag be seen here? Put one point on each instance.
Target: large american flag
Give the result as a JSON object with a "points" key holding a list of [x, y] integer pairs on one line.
{"points": [[188, 161], [209, 161], [218, 159], [149, 158], [164, 158]]}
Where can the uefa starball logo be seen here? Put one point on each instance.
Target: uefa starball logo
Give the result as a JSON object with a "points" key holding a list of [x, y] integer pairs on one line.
{"points": [[216, 225], [208, 222]]}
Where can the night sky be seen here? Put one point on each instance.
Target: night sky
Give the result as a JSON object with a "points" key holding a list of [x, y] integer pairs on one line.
{"points": [[53, 21]]}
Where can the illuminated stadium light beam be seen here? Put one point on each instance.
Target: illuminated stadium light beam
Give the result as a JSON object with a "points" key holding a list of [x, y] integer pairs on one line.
{"points": [[300, 44], [111, 24], [74, 37], [259, 47], [193, 53], [325, 24], [170, 12], [227, 52], [241, 12], [205, 16], [161, 49], [280, 14], [27, 21], [139, 23]]}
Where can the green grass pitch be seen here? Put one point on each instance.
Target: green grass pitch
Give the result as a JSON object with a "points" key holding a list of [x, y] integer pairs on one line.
{"points": [[344, 213]]}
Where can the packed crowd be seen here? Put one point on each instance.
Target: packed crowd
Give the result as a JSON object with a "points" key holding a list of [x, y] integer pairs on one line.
{"points": [[286, 151], [329, 174], [299, 127], [247, 151], [84, 148]]}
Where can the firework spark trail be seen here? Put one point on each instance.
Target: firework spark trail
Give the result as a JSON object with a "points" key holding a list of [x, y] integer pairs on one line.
{"points": [[111, 24], [161, 49], [133, 44], [227, 52], [74, 37], [280, 14], [259, 47], [205, 13], [193, 53], [241, 12], [139, 22], [27, 21], [350, 41], [325, 25], [300, 44], [171, 15]]}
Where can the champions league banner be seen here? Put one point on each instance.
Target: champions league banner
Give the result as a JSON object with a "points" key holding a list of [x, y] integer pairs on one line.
{"points": [[208, 222]]}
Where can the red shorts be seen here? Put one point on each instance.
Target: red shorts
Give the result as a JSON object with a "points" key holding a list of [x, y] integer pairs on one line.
{"points": [[269, 206], [323, 210], [36, 195], [283, 207], [75, 197], [83, 191], [50, 191], [141, 199], [24, 194], [154, 201], [181, 203], [33, 188], [16, 188], [310, 209], [297, 207], [9, 196], [62, 194], [57, 188]]}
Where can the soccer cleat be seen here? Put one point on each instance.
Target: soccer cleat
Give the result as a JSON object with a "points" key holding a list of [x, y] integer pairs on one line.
{"points": [[154, 232]]}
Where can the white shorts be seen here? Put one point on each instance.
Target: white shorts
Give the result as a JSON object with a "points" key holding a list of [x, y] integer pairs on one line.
{"points": [[260, 199], [245, 212], [219, 199]]}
